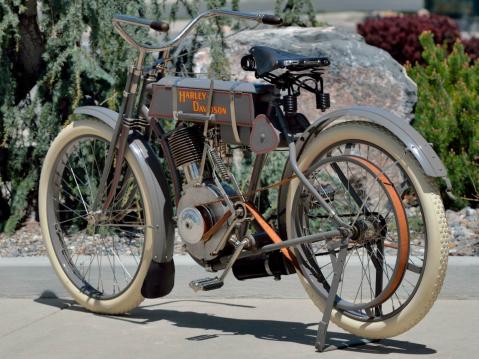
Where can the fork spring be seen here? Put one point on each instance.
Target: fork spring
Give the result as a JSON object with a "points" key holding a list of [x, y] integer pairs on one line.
{"points": [[221, 169]]}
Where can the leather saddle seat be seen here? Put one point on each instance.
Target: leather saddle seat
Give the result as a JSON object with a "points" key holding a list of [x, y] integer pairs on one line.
{"points": [[268, 59]]}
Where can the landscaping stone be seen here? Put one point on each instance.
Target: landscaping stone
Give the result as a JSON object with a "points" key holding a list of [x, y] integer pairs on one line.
{"points": [[358, 74]]}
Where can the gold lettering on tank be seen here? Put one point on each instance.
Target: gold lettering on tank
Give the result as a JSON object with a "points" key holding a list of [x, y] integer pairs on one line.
{"points": [[199, 101]]}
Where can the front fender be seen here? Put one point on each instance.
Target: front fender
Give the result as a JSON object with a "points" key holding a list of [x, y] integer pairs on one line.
{"points": [[160, 277], [103, 114]]}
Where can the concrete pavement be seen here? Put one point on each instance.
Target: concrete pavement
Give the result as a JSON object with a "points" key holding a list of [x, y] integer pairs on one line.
{"points": [[258, 318], [30, 277]]}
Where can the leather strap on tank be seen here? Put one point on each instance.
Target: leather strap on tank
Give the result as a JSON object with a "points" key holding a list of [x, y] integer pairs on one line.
{"points": [[174, 92], [210, 97], [234, 125]]}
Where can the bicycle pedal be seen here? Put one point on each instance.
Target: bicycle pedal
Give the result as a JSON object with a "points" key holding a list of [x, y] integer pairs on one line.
{"points": [[206, 284]]}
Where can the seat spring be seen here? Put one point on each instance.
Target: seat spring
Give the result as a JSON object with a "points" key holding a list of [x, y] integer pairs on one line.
{"points": [[290, 103], [323, 101]]}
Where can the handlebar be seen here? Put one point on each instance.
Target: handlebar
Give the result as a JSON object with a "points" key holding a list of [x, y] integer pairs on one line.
{"points": [[271, 19], [164, 27], [139, 21]]}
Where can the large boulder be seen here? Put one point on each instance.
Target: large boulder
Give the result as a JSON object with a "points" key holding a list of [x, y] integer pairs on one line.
{"points": [[358, 74]]}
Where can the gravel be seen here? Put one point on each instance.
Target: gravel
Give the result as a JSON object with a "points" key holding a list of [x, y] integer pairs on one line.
{"points": [[463, 225], [28, 242]]}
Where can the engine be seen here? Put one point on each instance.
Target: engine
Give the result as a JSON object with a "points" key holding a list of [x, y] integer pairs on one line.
{"points": [[201, 204]]}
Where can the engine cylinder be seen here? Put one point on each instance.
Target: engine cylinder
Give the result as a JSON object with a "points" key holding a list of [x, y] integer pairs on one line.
{"points": [[186, 145]]}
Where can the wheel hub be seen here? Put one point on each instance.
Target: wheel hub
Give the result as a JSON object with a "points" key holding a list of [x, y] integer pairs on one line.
{"points": [[368, 230]]}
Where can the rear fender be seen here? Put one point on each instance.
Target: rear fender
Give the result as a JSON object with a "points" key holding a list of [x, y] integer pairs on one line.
{"points": [[412, 140]]}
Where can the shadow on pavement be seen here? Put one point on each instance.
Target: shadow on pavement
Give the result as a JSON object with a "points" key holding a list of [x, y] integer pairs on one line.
{"points": [[50, 298], [273, 330]]}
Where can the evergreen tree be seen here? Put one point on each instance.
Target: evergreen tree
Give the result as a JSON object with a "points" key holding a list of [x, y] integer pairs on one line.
{"points": [[48, 66], [56, 55], [296, 12]]}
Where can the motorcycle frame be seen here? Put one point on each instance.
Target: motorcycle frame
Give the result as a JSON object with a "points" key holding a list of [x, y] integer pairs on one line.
{"points": [[153, 127], [135, 76], [414, 142]]}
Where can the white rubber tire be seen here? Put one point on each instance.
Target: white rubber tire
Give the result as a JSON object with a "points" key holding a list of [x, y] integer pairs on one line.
{"points": [[435, 220], [131, 297]]}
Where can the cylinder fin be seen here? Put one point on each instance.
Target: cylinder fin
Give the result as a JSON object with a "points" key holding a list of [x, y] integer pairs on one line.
{"points": [[186, 145]]}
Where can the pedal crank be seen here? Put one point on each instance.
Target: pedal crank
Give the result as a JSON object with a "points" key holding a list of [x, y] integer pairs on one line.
{"points": [[207, 284]]}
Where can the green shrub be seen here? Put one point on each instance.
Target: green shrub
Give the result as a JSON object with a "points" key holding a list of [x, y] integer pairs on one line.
{"points": [[447, 112]]}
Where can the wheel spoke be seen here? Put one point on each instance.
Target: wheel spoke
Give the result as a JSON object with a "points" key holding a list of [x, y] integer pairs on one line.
{"points": [[79, 190], [103, 249], [359, 197]]}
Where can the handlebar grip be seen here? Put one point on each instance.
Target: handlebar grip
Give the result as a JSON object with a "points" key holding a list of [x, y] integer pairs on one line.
{"points": [[271, 20], [160, 26]]}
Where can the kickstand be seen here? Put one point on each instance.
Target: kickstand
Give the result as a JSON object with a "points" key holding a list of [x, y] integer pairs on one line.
{"points": [[338, 267]]}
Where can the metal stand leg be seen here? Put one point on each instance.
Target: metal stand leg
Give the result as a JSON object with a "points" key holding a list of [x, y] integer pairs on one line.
{"points": [[338, 267]]}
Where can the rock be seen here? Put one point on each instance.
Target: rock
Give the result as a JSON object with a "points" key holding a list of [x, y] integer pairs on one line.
{"points": [[469, 211], [453, 218], [27, 241], [462, 233], [14, 253], [471, 215], [358, 74]]}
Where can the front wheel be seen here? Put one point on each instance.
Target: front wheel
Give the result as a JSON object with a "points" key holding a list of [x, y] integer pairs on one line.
{"points": [[100, 255], [396, 261]]}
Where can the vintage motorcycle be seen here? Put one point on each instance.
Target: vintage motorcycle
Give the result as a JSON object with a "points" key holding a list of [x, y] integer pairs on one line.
{"points": [[359, 217]]}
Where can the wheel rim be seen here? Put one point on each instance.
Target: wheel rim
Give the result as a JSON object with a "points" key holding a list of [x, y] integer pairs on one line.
{"points": [[99, 251], [414, 210], [341, 304]]}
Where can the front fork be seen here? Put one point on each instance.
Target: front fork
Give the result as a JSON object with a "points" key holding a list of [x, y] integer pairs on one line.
{"points": [[119, 140]]}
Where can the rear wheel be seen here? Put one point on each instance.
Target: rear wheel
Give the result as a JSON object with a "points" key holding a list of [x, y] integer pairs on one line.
{"points": [[100, 255], [379, 296]]}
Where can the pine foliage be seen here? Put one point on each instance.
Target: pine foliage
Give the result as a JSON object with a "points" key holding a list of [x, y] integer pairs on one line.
{"points": [[78, 69], [296, 12], [82, 61]]}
